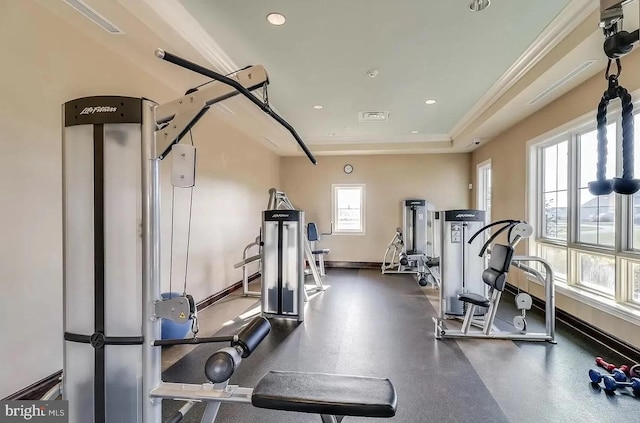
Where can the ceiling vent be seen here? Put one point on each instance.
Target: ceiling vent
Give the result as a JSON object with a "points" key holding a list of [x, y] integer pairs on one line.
{"points": [[562, 81], [94, 16], [373, 116]]}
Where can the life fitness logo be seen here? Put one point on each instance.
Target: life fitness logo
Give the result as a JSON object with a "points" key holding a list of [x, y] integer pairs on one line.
{"points": [[98, 109], [465, 215], [279, 215]]}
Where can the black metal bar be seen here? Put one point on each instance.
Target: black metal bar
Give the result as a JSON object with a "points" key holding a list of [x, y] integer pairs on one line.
{"points": [[280, 287], [193, 341], [74, 337], [484, 228], [172, 58], [98, 260], [107, 340], [124, 340]]}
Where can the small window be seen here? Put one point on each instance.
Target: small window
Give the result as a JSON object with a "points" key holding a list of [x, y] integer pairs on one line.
{"points": [[597, 272], [634, 269], [348, 209], [557, 258]]}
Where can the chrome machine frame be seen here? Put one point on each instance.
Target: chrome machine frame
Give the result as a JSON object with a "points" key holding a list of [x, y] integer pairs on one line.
{"points": [[517, 231], [161, 127], [412, 248], [278, 200]]}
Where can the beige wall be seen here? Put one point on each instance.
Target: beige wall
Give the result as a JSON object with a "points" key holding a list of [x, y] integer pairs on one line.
{"points": [[48, 63], [441, 179], [508, 156]]}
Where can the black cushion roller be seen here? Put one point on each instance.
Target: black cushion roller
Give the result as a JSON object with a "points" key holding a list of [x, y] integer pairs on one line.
{"points": [[251, 336], [221, 365]]}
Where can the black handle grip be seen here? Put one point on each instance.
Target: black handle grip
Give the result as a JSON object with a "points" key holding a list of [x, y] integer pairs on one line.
{"points": [[251, 336], [172, 58]]}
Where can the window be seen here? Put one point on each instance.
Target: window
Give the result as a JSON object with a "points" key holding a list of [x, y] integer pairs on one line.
{"points": [[348, 209], [592, 243], [554, 189], [597, 224], [484, 188]]}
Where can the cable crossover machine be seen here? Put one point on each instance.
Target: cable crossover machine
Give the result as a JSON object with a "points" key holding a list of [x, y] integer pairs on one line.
{"points": [[278, 200], [412, 249], [113, 147]]}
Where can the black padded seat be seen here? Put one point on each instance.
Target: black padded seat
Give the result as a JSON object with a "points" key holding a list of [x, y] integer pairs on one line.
{"points": [[320, 393], [323, 251], [433, 261], [476, 299]]}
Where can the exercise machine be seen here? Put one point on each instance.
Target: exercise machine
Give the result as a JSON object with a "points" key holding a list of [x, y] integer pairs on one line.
{"points": [[313, 237], [501, 258], [113, 147], [278, 200], [283, 290], [412, 249], [460, 262], [248, 259]]}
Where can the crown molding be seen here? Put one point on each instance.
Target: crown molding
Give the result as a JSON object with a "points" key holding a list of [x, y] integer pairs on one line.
{"points": [[566, 21]]}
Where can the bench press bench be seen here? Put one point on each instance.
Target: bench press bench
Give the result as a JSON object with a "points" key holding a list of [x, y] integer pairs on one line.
{"points": [[331, 396]]}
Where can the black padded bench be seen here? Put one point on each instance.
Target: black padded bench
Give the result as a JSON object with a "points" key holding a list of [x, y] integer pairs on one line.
{"points": [[331, 396]]}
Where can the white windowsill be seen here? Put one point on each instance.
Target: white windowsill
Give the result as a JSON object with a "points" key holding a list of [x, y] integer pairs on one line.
{"points": [[621, 311]]}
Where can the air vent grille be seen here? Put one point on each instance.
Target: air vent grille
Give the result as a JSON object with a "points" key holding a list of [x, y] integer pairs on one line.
{"points": [[94, 16], [584, 66], [373, 116]]}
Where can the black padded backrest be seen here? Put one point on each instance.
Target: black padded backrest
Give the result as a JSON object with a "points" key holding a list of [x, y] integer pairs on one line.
{"points": [[312, 232], [496, 275]]}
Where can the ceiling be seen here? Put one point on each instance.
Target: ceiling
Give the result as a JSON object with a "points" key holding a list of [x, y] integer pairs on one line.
{"points": [[483, 68]]}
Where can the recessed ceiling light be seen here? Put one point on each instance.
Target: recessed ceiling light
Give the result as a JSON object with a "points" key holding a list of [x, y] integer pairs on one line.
{"points": [[318, 106], [430, 101], [276, 19], [331, 134], [414, 132], [479, 5]]}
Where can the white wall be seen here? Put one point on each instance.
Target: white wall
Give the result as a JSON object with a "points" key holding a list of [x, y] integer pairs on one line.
{"points": [[46, 63]]}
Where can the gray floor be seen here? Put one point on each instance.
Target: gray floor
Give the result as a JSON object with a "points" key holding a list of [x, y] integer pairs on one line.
{"points": [[374, 325]]}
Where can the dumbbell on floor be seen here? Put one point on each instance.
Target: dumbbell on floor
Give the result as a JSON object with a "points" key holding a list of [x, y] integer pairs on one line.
{"points": [[610, 384], [596, 376], [600, 362]]}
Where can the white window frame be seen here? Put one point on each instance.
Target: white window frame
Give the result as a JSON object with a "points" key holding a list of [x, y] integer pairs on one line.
{"points": [[621, 304], [482, 191], [334, 209]]}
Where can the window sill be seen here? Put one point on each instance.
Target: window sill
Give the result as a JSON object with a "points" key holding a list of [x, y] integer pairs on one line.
{"points": [[625, 312], [347, 233]]}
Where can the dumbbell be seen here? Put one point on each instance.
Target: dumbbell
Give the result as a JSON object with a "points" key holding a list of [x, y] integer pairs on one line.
{"points": [[610, 384], [596, 376], [600, 362]]}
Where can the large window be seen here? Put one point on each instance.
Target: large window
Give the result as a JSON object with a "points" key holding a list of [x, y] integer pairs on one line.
{"points": [[597, 223], [348, 209], [554, 191], [591, 242]]}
